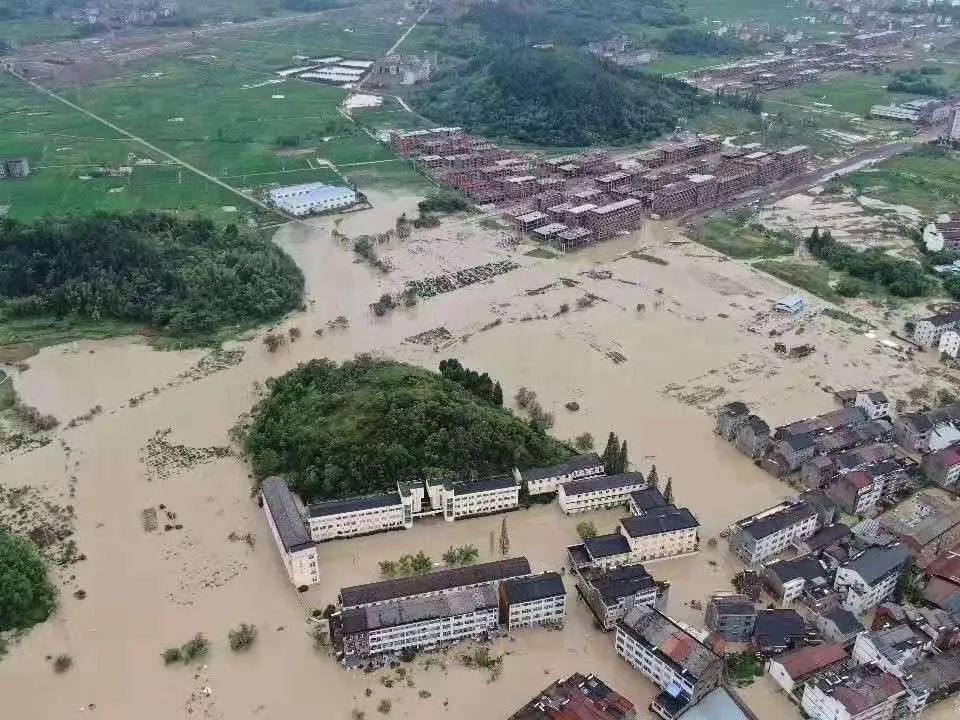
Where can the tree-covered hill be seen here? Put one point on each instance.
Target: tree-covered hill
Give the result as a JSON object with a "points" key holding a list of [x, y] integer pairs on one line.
{"points": [[361, 426], [560, 96], [182, 277]]}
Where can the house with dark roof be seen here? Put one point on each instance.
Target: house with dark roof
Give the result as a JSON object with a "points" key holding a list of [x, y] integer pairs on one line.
{"points": [[836, 624], [943, 467], [606, 491], [791, 670], [730, 418], [796, 449], [297, 549], [732, 617], [663, 532], [874, 403], [757, 537], [868, 578], [359, 516], [438, 582], [932, 679], [828, 536], [818, 471], [547, 479], [683, 667], [856, 493], [612, 593], [533, 600], [753, 437], [779, 630], [943, 588], [480, 497], [787, 579], [642, 502], [894, 648], [826, 508]]}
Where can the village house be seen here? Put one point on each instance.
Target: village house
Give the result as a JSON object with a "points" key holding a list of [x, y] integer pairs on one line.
{"points": [[927, 522], [795, 451], [612, 593], [297, 549], [865, 693], [855, 493], [412, 623], [672, 659], [547, 480], [606, 491], [943, 587], [928, 431], [932, 679], [927, 332], [874, 403], [893, 648], [870, 577], [730, 418], [830, 535], [757, 537], [643, 502], [480, 497], [435, 583], [949, 341], [943, 467], [601, 552], [818, 471], [753, 437], [825, 507], [359, 516], [533, 600], [787, 579], [836, 624], [579, 697], [665, 532], [791, 670], [732, 617], [779, 630]]}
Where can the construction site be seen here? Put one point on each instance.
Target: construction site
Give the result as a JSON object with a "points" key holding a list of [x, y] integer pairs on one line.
{"points": [[575, 200]]}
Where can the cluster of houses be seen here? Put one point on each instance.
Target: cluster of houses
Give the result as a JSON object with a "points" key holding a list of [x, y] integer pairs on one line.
{"points": [[657, 529]]}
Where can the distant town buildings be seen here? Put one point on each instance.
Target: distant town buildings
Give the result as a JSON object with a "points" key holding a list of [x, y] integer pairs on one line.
{"points": [[311, 198], [14, 168]]}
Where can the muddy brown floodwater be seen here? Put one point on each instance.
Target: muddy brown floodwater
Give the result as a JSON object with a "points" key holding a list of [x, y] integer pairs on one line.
{"points": [[653, 375]]}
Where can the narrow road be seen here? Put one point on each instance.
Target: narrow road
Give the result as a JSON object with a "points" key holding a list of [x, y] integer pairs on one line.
{"points": [[148, 145]]}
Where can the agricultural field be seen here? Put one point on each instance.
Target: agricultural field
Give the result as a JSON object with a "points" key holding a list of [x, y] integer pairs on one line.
{"points": [[223, 110], [792, 15], [925, 179], [734, 238]]}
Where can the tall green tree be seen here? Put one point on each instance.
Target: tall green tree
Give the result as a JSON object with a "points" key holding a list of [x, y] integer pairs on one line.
{"points": [[652, 479], [611, 454], [497, 394], [623, 458], [27, 596], [668, 491], [504, 539]]}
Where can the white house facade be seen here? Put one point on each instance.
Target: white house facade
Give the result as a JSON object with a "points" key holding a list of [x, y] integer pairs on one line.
{"points": [[480, 497], [533, 600], [605, 491], [298, 551], [360, 516], [539, 481]]}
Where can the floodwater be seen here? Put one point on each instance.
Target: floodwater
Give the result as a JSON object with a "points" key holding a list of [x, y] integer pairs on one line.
{"points": [[654, 375]]}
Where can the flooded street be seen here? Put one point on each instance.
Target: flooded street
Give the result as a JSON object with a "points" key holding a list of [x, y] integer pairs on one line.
{"points": [[653, 375]]}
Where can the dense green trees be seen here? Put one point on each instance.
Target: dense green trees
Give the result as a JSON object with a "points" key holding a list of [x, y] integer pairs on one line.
{"points": [[556, 97], [183, 277], [361, 426], [688, 41], [902, 278], [918, 82], [481, 385], [27, 596]]}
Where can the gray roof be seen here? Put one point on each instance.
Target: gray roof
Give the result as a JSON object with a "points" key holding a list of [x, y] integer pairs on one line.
{"points": [[434, 581], [800, 442], [939, 672], [733, 605], [894, 642], [603, 482], [778, 628], [827, 536], [498, 482], [877, 397], [338, 507], [660, 635], [606, 545], [663, 521], [412, 610], [734, 409], [533, 587], [282, 507], [648, 499], [804, 567], [615, 584], [578, 462], [845, 621], [943, 318], [761, 527], [875, 563]]}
